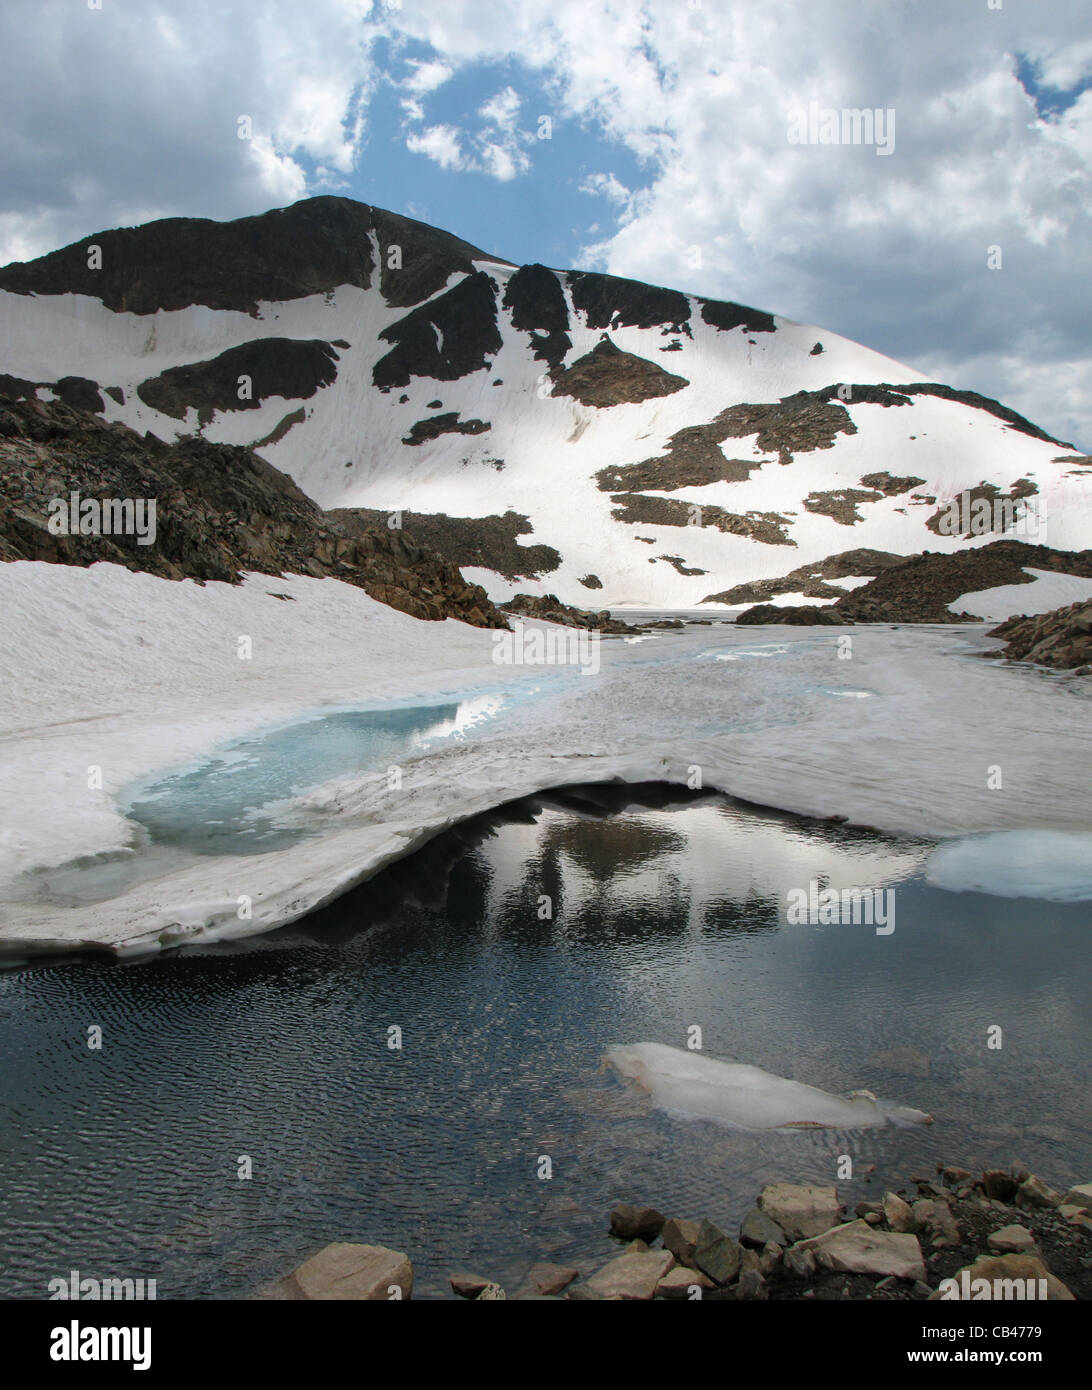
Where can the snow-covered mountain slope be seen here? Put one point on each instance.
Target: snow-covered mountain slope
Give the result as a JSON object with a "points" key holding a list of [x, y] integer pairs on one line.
{"points": [[613, 443]]}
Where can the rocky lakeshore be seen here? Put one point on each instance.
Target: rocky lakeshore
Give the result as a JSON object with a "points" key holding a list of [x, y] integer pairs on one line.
{"points": [[942, 1237]]}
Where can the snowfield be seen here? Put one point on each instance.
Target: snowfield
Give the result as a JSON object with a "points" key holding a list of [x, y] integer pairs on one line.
{"points": [[137, 675]]}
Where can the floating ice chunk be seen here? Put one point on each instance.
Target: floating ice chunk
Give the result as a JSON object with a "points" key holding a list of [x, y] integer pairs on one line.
{"points": [[696, 1087], [1051, 864]]}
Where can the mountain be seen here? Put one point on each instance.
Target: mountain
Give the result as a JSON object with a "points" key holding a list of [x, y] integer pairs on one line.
{"points": [[561, 432]]}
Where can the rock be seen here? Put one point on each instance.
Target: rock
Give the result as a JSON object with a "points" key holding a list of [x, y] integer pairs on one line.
{"points": [[769, 1259], [897, 1213], [752, 1286], [581, 1293], [630, 1222], [1080, 1196], [354, 1272], [799, 1261], [636, 1247], [1034, 1193], [632, 1276], [801, 1212], [855, 1248], [935, 1219], [758, 1230], [866, 1209], [955, 1176], [680, 1283], [717, 1254], [468, 1285], [873, 1218], [680, 1237], [998, 1185], [998, 1271], [492, 1293], [1011, 1240], [549, 1278]]}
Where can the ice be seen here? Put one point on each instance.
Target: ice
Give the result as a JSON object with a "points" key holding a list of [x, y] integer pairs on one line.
{"points": [[126, 677], [1046, 864], [696, 1087]]}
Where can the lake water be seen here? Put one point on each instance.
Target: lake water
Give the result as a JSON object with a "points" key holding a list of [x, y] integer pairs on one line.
{"points": [[665, 913]]}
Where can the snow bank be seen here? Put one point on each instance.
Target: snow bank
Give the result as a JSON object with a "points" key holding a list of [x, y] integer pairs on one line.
{"points": [[1017, 864], [1049, 591], [696, 1087]]}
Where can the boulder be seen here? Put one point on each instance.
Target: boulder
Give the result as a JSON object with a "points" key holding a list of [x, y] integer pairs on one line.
{"points": [[801, 1212], [758, 1230], [680, 1237], [358, 1272], [468, 1285], [752, 1281], [770, 1258], [935, 1219], [856, 1248], [800, 1262], [717, 1254], [897, 1213], [492, 1293], [1079, 1196], [999, 1185], [1033, 1193], [999, 1272], [630, 1222], [679, 1283], [1011, 1240], [547, 1278], [631, 1276]]}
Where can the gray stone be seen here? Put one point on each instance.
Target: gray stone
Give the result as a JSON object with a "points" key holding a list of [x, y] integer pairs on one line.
{"points": [[897, 1213], [717, 1254], [800, 1262], [344, 1272], [680, 1283], [630, 1222], [547, 1278], [468, 1285], [935, 1220], [758, 1230], [998, 1271], [492, 1293], [1033, 1193], [855, 1248], [632, 1277], [1079, 1196], [1012, 1240], [801, 1212], [770, 1258], [680, 1237]]}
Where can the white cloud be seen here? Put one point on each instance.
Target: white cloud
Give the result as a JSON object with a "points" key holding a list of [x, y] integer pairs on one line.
{"points": [[439, 143], [426, 77]]}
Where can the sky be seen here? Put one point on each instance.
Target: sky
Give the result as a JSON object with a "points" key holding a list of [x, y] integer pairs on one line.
{"points": [[674, 141]]}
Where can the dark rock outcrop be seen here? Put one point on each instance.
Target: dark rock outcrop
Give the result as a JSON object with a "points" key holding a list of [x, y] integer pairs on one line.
{"points": [[290, 367], [608, 376], [309, 248], [549, 608], [449, 337], [1062, 638], [221, 510], [537, 303], [487, 542]]}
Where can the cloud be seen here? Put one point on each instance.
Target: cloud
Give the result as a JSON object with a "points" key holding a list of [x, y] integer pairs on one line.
{"points": [[439, 143]]}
